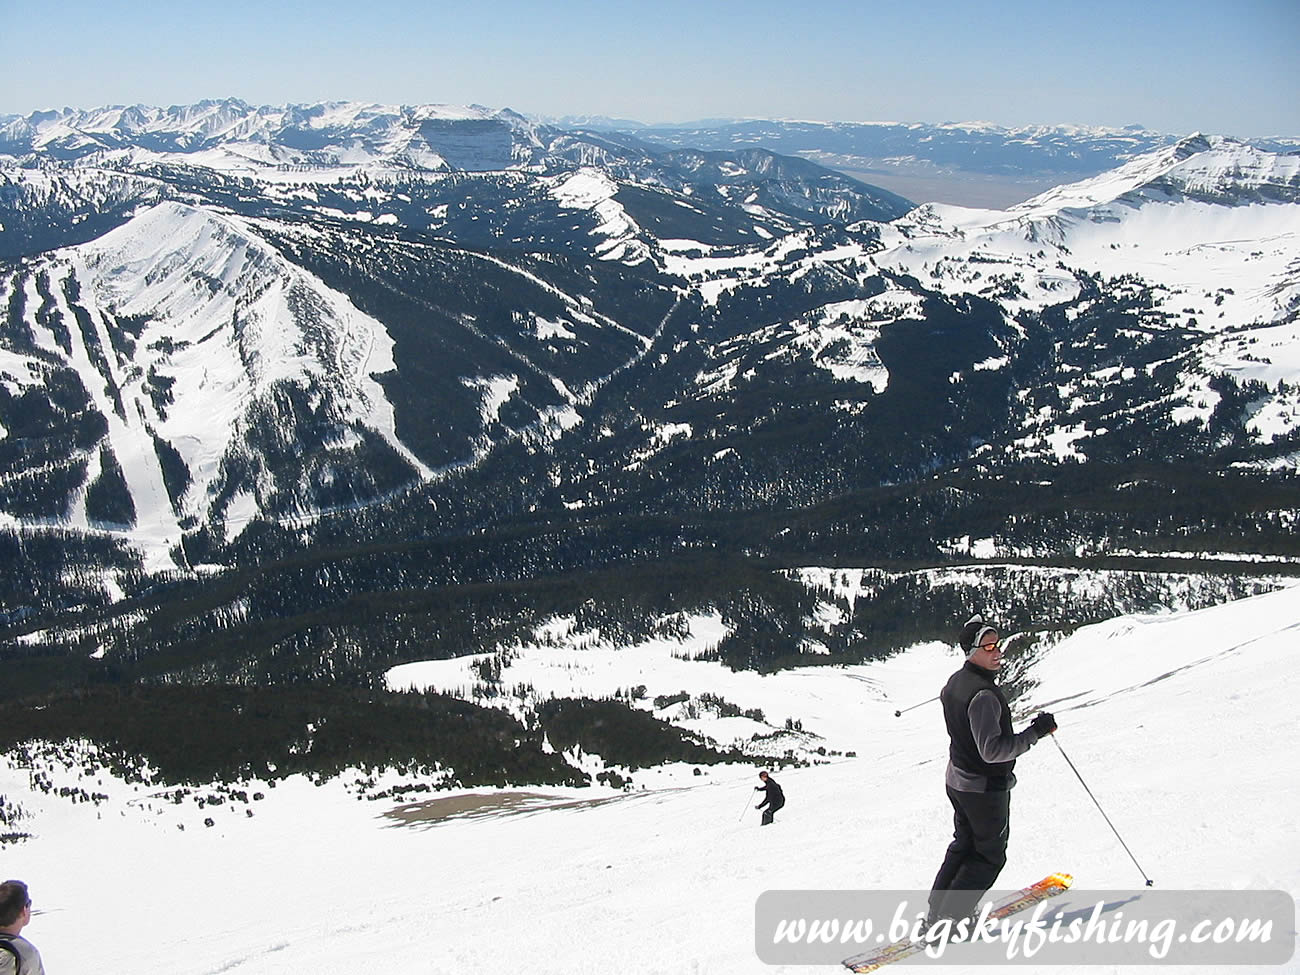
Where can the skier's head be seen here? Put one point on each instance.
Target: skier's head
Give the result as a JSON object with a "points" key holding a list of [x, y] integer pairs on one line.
{"points": [[15, 906], [763, 776], [986, 649], [968, 632]]}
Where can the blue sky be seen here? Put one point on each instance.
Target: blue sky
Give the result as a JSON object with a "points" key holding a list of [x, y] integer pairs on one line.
{"points": [[1175, 67]]}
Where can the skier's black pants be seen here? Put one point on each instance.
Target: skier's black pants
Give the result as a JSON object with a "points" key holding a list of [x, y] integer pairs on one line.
{"points": [[769, 812], [978, 851]]}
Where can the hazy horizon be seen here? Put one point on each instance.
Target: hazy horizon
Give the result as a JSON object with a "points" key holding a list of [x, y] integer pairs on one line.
{"points": [[1194, 66]]}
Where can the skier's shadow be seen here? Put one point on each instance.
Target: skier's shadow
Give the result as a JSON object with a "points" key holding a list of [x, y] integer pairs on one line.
{"points": [[1084, 913]]}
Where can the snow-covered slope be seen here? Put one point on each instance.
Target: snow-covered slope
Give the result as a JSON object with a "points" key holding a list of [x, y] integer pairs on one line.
{"points": [[1211, 225], [1213, 169], [665, 879], [187, 330], [1189, 256], [1208, 230]]}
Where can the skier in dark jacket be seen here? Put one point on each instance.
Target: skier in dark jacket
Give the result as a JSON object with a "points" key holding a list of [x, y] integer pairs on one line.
{"points": [[982, 752], [774, 798]]}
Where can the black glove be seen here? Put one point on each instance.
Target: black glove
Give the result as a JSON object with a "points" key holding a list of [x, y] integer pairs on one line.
{"points": [[1044, 724]]}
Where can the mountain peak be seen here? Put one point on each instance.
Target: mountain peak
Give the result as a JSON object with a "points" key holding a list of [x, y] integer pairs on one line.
{"points": [[1191, 145], [1214, 169]]}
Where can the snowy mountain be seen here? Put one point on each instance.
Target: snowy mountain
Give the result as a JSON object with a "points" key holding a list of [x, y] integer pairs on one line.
{"points": [[241, 384], [971, 163], [1201, 238], [232, 135], [191, 341], [334, 139], [200, 349], [1200, 168], [1159, 291]]}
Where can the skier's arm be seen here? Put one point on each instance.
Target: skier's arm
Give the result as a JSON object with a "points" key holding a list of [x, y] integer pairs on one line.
{"points": [[767, 795], [985, 714]]}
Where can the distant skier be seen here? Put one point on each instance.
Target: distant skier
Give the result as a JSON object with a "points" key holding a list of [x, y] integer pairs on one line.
{"points": [[982, 752], [774, 797], [17, 954]]}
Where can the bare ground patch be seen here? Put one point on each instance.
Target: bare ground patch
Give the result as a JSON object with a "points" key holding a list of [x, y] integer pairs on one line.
{"points": [[478, 805]]}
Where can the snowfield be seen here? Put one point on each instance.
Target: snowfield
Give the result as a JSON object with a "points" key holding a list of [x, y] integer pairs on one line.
{"points": [[1183, 726]]}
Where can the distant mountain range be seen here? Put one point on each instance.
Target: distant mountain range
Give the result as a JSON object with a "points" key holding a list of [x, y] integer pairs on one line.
{"points": [[151, 153], [974, 164], [295, 391], [965, 163]]}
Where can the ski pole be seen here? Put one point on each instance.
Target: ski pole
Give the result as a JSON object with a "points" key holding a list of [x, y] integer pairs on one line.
{"points": [[899, 714], [746, 809], [1149, 881]]}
